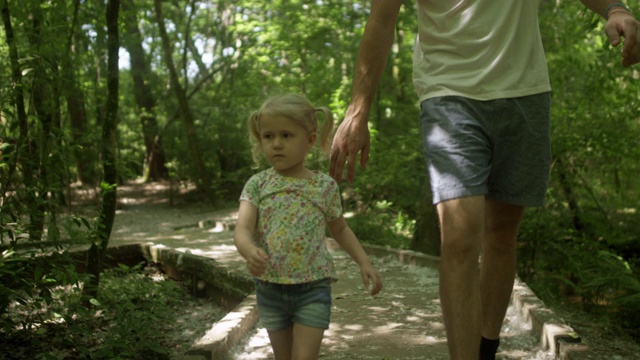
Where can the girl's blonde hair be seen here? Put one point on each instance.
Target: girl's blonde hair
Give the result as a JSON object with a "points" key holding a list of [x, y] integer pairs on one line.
{"points": [[293, 107]]}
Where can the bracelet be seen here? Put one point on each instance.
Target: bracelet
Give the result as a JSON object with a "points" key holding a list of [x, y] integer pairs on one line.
{"points": [[618, 11], [607, 12]]}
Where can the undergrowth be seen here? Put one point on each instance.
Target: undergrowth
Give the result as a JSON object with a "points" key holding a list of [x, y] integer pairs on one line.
{"points": [[137, 315], [580, 271]]}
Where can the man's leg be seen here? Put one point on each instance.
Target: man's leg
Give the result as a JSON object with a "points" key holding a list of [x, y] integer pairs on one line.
{"points": [[498, 267], [462, 231]]}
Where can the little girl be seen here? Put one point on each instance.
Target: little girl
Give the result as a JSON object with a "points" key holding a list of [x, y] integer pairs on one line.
{"points": [[284, 212]]}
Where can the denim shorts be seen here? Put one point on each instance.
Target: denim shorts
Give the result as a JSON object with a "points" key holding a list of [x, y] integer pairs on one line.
{"points": [[282, 305], [497, 148]]}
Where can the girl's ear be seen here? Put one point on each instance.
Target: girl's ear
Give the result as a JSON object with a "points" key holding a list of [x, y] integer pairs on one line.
{"points": [[312, 139]]}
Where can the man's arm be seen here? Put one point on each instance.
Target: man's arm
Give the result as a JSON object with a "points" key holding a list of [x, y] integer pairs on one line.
{"points": [[600, 7], [352, 136], [620, 24]]}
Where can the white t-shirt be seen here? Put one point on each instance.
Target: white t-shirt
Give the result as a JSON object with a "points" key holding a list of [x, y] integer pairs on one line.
{"points": [[480, 49]]}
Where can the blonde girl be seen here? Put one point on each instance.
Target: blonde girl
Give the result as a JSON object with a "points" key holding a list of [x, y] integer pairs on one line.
{"points": [[284, 212]]}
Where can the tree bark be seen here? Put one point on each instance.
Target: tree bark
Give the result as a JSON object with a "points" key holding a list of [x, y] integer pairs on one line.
{"points": [[572, 200], [426, 238], [84, 154], [109, 160], [201, 176], [155, 168], [25, 147]]}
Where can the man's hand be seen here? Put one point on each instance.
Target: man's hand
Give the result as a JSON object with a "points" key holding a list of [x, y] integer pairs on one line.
{"points": [[623, 24], [351, 137]]}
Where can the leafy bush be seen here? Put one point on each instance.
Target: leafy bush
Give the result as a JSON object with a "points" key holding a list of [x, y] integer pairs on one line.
{"points": [[384, 226], [129, 320], [562, 265]]}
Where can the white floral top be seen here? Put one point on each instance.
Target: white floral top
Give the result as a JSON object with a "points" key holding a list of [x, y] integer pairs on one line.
{"points": [[292, 220]]}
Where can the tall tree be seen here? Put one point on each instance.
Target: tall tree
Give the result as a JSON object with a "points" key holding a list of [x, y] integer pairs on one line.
{"points": [[154, 161], [75, 98], [201, 176], [109, 160], [25, 145]]}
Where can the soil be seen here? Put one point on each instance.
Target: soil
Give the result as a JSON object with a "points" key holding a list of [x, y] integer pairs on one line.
{"points": [[145, 209]]}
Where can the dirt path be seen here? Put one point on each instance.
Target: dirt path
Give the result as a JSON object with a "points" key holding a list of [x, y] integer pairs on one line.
{"points": [[403, 322]]}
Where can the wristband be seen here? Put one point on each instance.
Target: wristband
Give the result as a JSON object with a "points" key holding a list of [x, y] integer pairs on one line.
{"points": [[606, 13]]}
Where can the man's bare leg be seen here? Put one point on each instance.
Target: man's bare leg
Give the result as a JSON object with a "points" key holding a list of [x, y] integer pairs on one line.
{"points": [[462, 231], [498, 266]]}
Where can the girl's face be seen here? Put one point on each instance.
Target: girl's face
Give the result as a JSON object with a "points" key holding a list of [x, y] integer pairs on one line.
{"points": [[285, 144]]}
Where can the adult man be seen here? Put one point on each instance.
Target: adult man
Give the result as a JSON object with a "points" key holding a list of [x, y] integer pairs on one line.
{"points": [[481, 76]]}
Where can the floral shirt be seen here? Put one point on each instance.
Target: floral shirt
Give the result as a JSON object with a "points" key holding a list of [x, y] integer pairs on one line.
{"points": [[292, 219]]}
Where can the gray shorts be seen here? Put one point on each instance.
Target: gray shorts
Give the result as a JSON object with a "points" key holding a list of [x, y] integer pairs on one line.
{"points": [[498, 148]]}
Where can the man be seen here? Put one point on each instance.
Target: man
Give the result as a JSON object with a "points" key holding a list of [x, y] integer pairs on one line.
{"points": [[481, 76]]}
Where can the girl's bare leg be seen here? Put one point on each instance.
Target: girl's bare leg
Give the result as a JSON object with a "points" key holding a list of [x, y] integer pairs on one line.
{"points": [[281, 343], [306, 342]]}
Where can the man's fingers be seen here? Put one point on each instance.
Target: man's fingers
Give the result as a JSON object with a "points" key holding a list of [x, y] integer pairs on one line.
{"points": [[613, 35], [351, 165], [619, 26], [336, 165], [364, 157], [631, 49]]}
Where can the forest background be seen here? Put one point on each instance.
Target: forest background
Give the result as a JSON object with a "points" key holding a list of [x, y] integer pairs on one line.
{"points": [[98, 93]]}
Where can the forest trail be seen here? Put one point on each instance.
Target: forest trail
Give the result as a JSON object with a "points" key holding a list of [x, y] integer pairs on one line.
{"points": [[403, 322]]}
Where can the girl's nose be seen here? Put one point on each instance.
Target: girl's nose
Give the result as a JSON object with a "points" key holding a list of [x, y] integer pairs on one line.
{"points": [[277, 143]]}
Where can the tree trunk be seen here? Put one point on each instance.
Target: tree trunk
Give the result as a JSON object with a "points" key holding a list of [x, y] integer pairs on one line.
{"points": [[109, 160], [426, 238], [84, 154], [25, 146], [567, 189], [201, 176], [47, 109], [155, 168]]}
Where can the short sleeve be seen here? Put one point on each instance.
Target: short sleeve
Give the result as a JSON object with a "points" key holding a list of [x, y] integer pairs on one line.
{"points": [[333, 208], [251, 191]]}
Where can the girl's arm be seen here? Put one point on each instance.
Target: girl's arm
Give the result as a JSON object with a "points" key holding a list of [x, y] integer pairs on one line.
{"points": [[343, 234], [243, 239]]}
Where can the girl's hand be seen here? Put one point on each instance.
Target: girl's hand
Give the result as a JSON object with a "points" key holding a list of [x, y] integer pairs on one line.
{"points": [[257, 261], [369, 274]]}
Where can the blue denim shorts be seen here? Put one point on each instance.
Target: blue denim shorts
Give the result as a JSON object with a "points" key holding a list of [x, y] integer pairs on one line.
{"points": [[497, 148], [282, 305]]}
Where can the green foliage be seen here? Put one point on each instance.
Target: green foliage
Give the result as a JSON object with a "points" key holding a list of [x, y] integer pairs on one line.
{"points": [[26, 279], [562, 265], [582, 244], [381, 225], [126, 321], [231, 55]]}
